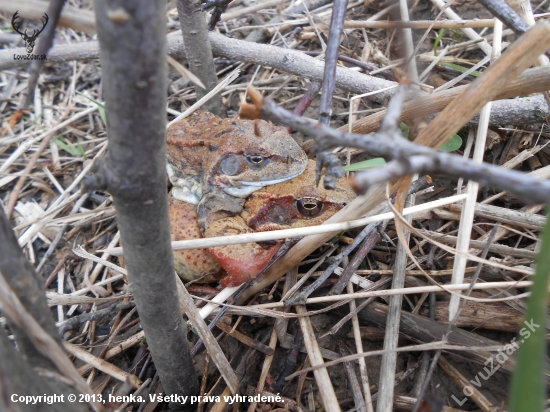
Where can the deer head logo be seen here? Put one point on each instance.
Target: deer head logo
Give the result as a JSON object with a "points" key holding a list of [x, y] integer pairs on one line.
{"points": [[29, 40]]}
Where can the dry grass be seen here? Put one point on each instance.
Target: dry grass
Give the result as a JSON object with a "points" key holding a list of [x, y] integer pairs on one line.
{"points": [[50, 148]]}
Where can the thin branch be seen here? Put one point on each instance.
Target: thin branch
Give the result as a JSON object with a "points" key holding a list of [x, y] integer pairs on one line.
{"points": [[335, 262], [76, 321], [330, 161], [359, 257], [199, 51], [28, 287], [331, 59], [506, 14], [523, 110], [134, 172], [364, 65], [326, 390], [360, 405], [18, 377], [409, 157]]}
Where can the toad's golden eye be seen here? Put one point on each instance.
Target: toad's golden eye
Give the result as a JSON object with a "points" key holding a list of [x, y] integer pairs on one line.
{"points": [[309, 207], [255, 160]]}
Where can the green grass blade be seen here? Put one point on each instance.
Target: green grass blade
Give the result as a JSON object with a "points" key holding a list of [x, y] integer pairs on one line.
{"points": [[461, 69], [366, 164], [438, 40], [81, 150], [528, 391], [67, 147], [100, 107]]}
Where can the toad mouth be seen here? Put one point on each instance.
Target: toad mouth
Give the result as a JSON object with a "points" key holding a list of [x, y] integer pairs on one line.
{"points": [[264, 183]]}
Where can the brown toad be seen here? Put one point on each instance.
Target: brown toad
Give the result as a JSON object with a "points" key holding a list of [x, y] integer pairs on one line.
{"points": [[291, 204], [236, 157]]}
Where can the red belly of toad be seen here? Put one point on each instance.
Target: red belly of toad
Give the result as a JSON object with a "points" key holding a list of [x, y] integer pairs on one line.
{"points": [[242, 263]]}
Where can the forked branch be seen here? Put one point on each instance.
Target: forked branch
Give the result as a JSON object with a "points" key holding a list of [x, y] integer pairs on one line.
{"points": [[407, 157]]}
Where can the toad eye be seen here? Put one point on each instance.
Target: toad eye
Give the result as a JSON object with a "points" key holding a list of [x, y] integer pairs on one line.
{"points": [[256, 160], [309, 207]]}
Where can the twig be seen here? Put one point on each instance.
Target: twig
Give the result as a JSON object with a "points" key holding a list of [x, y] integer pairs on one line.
{"points": [[423, 371], [198, 51], [307, 98], [360, 405], [481, 401], [302, 296], [208, 338], [506, 14], [102, 365], [359, 345], [326, 391], [440, 345], [410, 157], [76, 321], [477, 244], [336, 27], [408, 291], [119, 348], [533, 80], [406, 38], [358, 63], [333, 172], [359, 256], [265, 370]]}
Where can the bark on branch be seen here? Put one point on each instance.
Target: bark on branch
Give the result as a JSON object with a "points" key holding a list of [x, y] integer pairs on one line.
{"points": [[133, 59], [199, 52], [16, 368]]}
